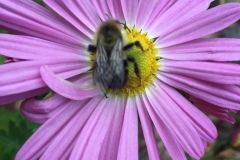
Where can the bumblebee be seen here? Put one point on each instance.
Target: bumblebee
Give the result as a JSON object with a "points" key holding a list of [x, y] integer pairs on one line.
{"points": [[110, 68]]}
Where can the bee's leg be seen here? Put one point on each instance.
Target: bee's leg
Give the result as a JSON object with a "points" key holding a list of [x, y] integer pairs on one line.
{"points": [[92, 48], [105, 94], [125, 70], [136, 69], [136, 43]]}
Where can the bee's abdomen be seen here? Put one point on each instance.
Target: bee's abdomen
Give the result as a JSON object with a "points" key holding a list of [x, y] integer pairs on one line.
{"points": [[111, 75], [119, 79]]}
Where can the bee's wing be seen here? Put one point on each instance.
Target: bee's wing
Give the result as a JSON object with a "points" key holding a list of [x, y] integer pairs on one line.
{"points": [[109, 72], [117, 60], [100, 65]]}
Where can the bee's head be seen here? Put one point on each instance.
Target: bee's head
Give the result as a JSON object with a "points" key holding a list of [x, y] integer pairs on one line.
{"points": [[109, 32]]}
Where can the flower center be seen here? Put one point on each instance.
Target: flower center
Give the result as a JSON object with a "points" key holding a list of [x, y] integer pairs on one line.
{"points": [[146, 61]]}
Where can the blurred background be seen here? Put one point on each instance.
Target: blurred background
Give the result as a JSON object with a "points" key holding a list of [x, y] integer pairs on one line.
{"points": [[15, 130]]}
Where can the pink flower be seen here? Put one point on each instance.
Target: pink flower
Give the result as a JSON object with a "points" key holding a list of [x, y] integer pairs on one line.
{"points": [[50, 53]]}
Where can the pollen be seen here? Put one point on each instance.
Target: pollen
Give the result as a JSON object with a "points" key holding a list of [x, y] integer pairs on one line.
{"points": [[146, 60]]}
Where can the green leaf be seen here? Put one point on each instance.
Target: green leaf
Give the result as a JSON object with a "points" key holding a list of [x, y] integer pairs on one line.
{"points": [[227, 1], [14, 131], [2, 59], [3, 31]]}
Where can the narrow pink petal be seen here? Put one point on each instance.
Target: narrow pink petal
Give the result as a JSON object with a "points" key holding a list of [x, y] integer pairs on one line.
{"points": [[176, 121], [130, 11], [115, 10], [207, 22], [101, 9], [34, 105], [219, 95], [66, 88], [174, 148], [175, 15], [12, 82], [40, 117], [43, 137], [180, 125], [144, 10], [32, 19], [223, 73], [148, 130], [61, 8], [30, 48], [214, 110], [201, 122], [159, 8], [205, 49], [89, 143], [30, 70], [65, 141], [214, 89], [89, 11], [128, 147], [23, 95], [109, 150]]}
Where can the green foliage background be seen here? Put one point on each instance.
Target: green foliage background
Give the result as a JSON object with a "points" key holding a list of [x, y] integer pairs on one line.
{"points": [[14, 131]]}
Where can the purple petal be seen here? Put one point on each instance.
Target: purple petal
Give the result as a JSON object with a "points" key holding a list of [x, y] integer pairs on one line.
{"points": [[175, 15], [79, 13], [66, 88], [21, 96], [201, 122], [207, 22], [177, 122], [211, 49], [61, 147], [144, 11], [43, 106], [39, 117], [30, 69], [214, 110], [32, 19], [12, 82], [115, 10], [24, 47], [159, 8], [39, 111], [40, 141], [110, 145], [223, 73], [148, 130], [128, 147], [129, 9], [101, 9], [220, 95], [89, 142], [171, 143]]}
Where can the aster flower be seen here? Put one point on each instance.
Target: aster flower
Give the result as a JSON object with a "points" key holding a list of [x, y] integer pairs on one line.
{"points": [[49, 53]]}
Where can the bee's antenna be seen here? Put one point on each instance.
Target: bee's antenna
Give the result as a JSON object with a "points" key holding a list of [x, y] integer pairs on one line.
{"points": [[124, 26], [108, 16], [100, 18]]}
